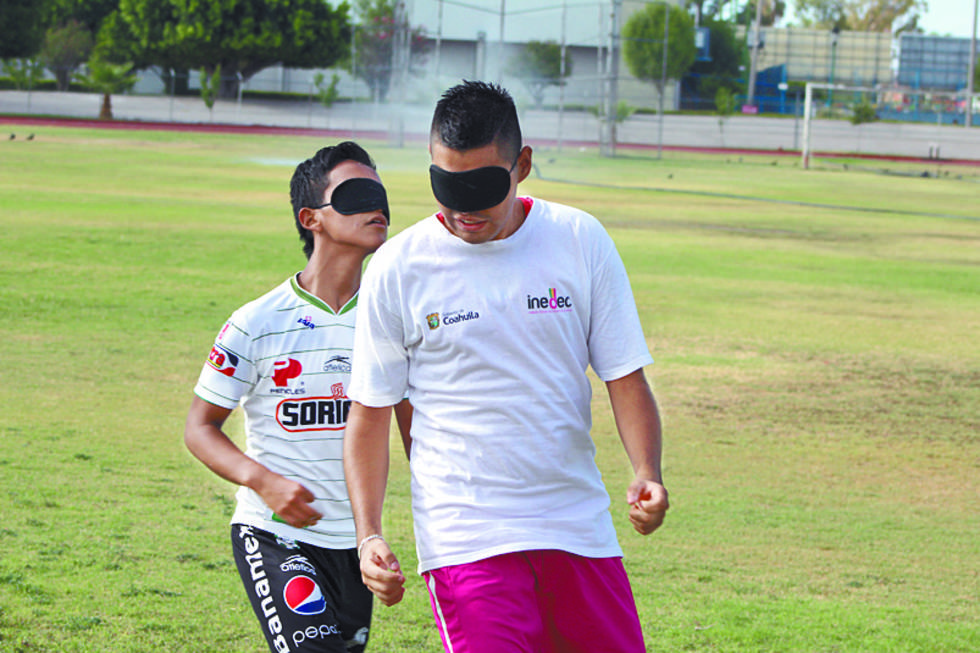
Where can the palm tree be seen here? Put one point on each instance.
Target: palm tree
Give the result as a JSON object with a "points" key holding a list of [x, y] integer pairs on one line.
{"points": [[107, 78]]}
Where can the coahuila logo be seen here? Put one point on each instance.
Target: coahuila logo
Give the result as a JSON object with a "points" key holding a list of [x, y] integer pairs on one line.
{"points": [[459, 316], [552, 303], [453, 317]]}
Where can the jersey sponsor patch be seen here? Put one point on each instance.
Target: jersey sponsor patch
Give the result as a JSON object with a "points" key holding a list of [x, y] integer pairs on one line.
{"points": [[313, 414], [285, 370], [223, 360], [303, 596]]}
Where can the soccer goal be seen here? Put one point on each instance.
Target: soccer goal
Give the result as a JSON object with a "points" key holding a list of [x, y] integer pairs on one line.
{"points": [[862, 104]]}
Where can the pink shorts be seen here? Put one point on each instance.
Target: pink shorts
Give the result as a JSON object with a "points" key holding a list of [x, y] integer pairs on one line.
{"points": [[535, 602]]}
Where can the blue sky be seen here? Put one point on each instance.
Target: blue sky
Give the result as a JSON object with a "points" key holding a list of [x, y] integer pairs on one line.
{"points": [[943, 18], [953, 17]]}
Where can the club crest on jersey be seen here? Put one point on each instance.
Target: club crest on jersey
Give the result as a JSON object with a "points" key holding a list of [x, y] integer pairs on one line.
{"points": [[284, 542], [432, 319], [223, 360], [303, 596]]}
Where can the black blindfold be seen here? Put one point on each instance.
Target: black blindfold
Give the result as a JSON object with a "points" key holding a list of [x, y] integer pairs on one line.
{"points": [[473, 190], [359, 195]]}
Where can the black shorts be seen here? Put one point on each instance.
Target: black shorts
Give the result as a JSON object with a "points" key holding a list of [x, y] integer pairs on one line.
{"points": [[306, 598]]}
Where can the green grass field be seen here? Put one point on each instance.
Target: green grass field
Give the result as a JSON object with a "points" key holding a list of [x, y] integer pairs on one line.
{"points": [[818, 370]]}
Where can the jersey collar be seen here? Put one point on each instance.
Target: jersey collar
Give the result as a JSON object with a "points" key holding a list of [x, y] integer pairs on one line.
{"points": [[319, 303]]}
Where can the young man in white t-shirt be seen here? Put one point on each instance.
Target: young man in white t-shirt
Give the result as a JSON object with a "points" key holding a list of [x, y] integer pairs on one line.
{"points": [[285, 358], [488, 314]]}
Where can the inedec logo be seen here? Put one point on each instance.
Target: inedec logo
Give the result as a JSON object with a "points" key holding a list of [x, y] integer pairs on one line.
{"points": [[285, 370], [552, 303]]}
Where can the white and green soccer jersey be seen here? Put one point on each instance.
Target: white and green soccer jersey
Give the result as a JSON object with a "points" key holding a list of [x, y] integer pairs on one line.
{"points": [[285, 357]]}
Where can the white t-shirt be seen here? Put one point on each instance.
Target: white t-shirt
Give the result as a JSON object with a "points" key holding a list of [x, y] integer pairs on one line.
{"points": [[286, 358], [491, 342]]}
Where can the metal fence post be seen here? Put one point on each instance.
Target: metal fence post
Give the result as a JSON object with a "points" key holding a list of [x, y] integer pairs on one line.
{"points": [[807, 102]]}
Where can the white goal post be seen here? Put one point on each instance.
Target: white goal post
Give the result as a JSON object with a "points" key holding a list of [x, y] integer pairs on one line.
{"points": [[876, 93]]}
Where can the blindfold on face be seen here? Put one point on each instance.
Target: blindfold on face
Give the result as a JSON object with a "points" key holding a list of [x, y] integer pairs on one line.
{"points": [[359, 195], [473, 190]]}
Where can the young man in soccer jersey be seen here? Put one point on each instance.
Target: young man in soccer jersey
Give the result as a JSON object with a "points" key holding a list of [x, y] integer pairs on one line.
{"points": [[488, 314], [286, 358]]}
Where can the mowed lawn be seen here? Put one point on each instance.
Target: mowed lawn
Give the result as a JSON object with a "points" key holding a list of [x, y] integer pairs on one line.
{"points": [[818, 370]]}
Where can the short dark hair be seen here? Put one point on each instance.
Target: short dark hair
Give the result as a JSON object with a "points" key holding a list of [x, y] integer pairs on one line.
{"points": [[312, 178], [474, 114]]}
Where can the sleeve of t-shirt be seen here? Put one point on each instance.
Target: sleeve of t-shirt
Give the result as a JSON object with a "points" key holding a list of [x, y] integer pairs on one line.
{"points": [[229, 372], [379, 365], [617, 345]]}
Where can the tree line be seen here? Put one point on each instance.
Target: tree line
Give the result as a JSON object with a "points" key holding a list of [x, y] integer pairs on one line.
{"points": [[229, 41], [226, 41]]}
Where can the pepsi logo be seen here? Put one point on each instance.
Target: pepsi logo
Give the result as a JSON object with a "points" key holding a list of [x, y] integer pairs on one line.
{"points": [[303, 596]]}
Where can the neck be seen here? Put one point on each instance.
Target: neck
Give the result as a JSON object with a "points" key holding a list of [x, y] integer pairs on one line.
{"points": [[333, 277], [518, 216]]}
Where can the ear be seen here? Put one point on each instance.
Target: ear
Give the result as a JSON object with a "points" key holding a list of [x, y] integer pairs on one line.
{"points": [[524, 163], [308, 219]]}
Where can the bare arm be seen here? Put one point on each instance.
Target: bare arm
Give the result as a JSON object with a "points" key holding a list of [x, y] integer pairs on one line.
{"points": [[403, 416], [638, 423], [366, 469], [205, 438]]}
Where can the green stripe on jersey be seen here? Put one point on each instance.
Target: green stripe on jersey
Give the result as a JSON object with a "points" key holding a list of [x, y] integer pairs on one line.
{"points": [[316, 301]]}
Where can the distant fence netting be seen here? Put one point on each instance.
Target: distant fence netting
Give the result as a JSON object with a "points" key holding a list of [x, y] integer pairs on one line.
{"points": [[795, 56], [917, 71]]}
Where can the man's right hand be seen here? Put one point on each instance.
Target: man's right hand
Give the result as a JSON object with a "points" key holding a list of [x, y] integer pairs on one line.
{"points": [[381, 572], [291, 501]]}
